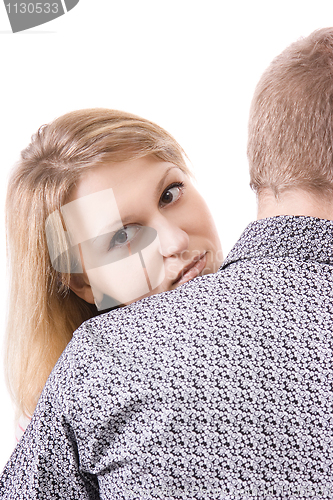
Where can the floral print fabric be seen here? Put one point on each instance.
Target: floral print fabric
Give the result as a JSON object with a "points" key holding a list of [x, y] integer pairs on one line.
{"points": [[220, 389]]}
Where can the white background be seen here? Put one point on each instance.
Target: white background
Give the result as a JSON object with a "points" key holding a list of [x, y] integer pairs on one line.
{"points": [[191, 66]]}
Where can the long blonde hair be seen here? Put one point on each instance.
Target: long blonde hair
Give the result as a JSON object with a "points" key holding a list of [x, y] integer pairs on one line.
{"points": [[43, 312]]}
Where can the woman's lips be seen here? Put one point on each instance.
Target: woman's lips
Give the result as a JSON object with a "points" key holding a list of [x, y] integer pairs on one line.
{"points": [[191, 270]]}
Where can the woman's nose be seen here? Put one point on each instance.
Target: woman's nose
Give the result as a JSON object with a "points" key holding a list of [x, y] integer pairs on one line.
{"points": [[173, 239]]}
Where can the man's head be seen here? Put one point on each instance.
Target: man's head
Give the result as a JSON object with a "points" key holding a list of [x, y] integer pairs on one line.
{"points": [[290, 147]]}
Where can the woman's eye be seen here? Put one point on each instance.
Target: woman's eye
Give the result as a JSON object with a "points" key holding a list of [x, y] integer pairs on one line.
{"points": [[172, 193], [124, 236]]}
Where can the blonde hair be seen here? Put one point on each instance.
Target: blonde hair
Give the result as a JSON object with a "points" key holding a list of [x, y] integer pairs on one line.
{"points": [[291, 119], [43, 311]]}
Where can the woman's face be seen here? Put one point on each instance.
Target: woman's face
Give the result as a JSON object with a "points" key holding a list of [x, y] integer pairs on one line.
{"points": [[149, 230]]}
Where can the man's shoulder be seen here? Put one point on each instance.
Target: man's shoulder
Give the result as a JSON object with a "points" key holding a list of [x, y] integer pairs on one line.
{"points": [[144, 329], [153, 313], [257, 272]]}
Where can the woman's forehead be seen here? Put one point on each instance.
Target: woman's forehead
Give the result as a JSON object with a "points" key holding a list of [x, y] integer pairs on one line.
{"points": [[89, 216], [123, 176]]}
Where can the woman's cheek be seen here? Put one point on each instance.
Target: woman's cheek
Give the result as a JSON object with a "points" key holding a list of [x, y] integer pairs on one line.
{"points": [[128, 279]]}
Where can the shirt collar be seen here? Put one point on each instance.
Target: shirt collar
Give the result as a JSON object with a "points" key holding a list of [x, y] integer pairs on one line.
{"points": [[300, 237]]}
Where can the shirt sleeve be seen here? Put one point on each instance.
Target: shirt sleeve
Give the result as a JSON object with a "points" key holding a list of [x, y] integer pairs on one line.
{"points": [[45, 464]]}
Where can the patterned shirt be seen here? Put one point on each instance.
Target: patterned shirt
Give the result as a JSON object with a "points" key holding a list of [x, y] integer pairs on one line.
{"points": [[220, 389]]}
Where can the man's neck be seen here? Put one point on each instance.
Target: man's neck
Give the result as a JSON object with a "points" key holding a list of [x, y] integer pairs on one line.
{"points": [[295, 202]]}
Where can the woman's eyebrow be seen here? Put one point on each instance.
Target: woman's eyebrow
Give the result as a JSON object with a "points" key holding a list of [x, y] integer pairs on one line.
{"points": [[109, 228], [114, 226], [161, 182]]}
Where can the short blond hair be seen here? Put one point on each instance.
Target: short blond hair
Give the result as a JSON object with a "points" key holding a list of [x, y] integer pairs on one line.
{"points": [[290, 141], [43, 312]]}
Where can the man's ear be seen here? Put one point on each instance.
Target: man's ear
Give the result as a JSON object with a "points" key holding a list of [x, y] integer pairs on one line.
{"points": [[79, 284]]}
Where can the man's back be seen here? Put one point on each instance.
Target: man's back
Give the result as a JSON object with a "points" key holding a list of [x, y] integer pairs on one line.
{"points": [[220, 389]]}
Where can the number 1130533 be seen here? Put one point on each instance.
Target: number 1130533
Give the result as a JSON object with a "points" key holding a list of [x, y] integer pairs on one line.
{"points": [[32, 8]]}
